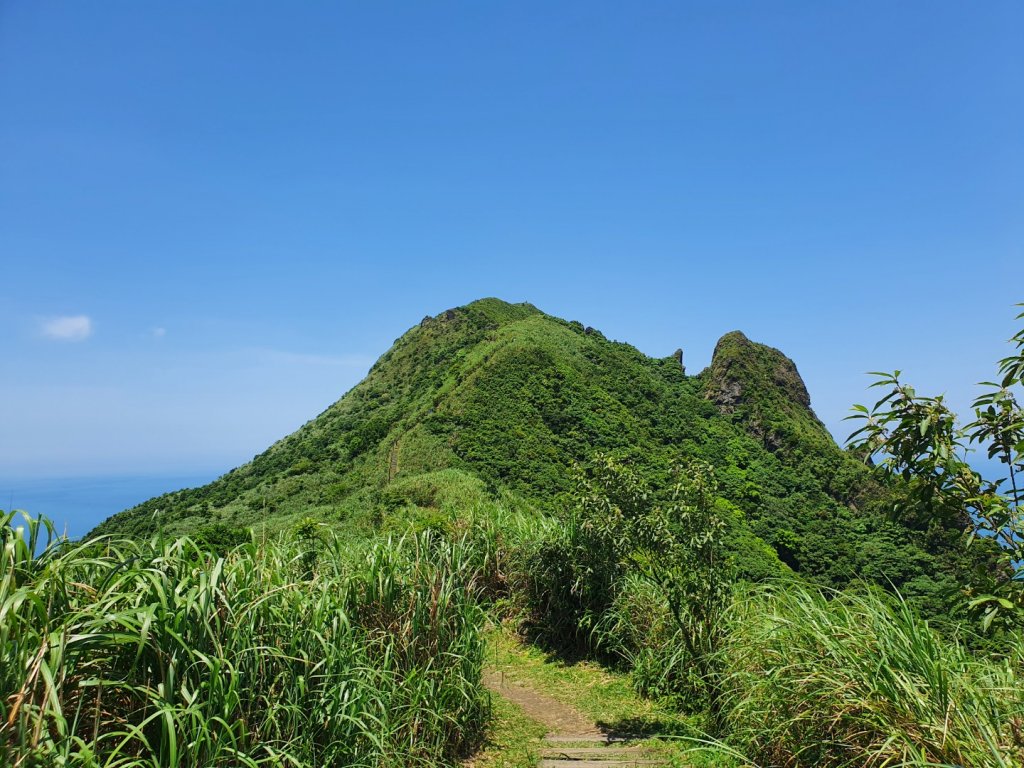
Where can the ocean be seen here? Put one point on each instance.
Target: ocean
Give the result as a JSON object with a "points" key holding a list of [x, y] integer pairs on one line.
{"points": [[78, 504]]}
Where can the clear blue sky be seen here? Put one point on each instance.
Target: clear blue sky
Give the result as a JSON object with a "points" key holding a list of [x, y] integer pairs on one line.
{"points": [[215, 216]]}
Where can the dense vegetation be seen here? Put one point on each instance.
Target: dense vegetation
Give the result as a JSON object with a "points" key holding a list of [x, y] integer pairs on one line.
{"points": [[858, 679], [285, 652], [302, 651], [702, 535]]}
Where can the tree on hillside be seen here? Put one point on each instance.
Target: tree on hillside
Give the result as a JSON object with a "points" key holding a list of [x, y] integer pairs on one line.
{"points": [[677, 546]]}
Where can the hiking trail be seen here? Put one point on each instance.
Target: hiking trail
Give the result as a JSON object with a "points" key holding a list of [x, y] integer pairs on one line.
{"points": [[573, 741]]}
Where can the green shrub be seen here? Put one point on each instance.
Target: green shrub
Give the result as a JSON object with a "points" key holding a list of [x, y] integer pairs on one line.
{"points": [[219, 538], [567, 581]]}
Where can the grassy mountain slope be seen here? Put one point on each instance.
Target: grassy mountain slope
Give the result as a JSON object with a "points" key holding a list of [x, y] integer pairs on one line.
{"points": [[496, 399]]}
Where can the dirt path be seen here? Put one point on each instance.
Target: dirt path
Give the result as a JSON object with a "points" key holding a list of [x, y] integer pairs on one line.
{"points": [[573, 740], [560, 719]]}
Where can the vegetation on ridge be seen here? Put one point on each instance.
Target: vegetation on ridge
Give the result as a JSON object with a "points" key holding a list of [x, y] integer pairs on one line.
{"points": [[513, 398]]}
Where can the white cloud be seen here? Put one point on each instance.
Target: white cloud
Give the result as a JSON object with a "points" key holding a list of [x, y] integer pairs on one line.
{"points": [[159, 333], [67, 328]]}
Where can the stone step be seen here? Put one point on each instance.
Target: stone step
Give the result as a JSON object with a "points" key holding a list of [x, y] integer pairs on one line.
{"points": [[582, 738], [608, 752], [547, 763]]}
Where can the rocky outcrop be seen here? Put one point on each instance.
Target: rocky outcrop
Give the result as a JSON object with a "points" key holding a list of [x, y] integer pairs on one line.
{"points": [[758, 384]]}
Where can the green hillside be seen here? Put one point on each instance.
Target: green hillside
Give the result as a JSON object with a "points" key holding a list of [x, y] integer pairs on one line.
{"points": [[496, 400]]}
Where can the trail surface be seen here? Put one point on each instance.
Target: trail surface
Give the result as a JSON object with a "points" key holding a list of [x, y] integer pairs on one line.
{"points": [[572, 740]]}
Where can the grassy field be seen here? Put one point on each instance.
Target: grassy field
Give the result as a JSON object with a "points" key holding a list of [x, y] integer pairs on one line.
{"points": [[858, 679]]}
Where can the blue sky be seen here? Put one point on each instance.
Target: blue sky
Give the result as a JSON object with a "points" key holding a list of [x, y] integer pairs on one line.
{"points": [[215, 216]]}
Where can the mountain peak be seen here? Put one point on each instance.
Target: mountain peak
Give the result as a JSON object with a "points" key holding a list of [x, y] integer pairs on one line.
{"points": [[739, 362], [757, 384]]}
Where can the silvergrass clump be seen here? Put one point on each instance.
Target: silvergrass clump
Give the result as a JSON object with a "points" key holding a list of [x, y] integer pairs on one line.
{"points": [[858, 679], [120, 653]]}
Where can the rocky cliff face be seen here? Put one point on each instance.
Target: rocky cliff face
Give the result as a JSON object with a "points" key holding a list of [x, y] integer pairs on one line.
{"points": [[739, 362]]}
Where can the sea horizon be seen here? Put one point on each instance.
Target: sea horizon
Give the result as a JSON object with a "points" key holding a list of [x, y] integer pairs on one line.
{"points": [[78, 503]]}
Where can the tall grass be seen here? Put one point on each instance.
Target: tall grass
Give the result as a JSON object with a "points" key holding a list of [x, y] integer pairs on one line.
{"points": [[117, 653], [857, 679], [639, 631], [566, 578]]}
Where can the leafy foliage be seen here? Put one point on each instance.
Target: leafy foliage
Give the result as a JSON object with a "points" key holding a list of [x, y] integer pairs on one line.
{"points": [[677, 547], [919, 440], [635, 574]]}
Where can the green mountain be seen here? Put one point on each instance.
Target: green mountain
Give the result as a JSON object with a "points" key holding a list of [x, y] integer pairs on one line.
{"points": [[499, 401]]}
